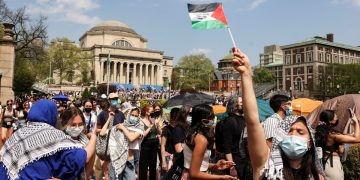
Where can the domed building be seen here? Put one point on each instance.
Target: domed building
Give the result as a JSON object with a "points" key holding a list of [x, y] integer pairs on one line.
{"points": [[132, 64]]}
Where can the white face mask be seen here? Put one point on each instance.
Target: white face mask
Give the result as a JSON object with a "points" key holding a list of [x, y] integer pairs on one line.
{"points": [[74, 131], [188, 120]]}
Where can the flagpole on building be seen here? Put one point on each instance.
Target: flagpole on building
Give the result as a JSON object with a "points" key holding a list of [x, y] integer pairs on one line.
{"points": [[108, 74], [231, 36]]}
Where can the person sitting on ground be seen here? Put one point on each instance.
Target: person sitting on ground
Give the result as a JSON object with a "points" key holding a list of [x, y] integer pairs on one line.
{"points": [[39, 151], [293, 154], [330, 140]]}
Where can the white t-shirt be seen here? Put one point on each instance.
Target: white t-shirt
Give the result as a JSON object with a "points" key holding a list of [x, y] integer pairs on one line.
{"points": [[188, 156]]}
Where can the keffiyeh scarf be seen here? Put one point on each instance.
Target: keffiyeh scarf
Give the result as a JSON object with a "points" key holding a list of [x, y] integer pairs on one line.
{"points": [[32, 142], [273, 169]]}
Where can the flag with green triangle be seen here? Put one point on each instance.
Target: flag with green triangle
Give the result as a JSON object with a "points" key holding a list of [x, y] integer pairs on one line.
{"points": [[207, 16]]}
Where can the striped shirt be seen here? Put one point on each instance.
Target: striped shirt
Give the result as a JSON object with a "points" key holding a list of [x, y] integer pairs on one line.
{"points": [[270, 125]]}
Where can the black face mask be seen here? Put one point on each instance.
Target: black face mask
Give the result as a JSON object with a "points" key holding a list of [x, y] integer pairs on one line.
{"points": [[155, 114], [241, 111], [88, 110]]}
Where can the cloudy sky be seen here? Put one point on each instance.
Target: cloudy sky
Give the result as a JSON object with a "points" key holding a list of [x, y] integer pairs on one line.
{"points": [[166, 24]]}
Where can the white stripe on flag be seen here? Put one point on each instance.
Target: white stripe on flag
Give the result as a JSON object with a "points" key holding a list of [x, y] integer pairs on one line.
{"points": [[201, 16]]}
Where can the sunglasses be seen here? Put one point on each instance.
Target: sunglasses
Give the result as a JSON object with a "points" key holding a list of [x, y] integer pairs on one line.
{"points": [[9, 104]]}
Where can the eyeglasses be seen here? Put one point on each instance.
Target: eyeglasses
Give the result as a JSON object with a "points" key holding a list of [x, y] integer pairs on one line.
{"points": [[157, 109], [9, 104]]}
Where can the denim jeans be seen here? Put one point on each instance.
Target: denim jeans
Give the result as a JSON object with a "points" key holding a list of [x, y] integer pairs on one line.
{"points": [[127, 174]]}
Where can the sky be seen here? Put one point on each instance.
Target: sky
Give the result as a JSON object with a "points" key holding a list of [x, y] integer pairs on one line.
{"points": [[167, 26]]}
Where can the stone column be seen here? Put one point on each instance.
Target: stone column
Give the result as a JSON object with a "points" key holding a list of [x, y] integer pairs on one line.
{"points": [[146, 76], [140, 74], [114, 72], [134, 73], [7, 62], [121, 73], [101, 71], [127, 72], [97, 69], [159, 75], [152, 74]]}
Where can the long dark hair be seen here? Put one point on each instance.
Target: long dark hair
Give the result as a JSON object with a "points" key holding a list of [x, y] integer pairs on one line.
{"points": [[308, 163], [199, 113], [180, 120], [69, 114]]}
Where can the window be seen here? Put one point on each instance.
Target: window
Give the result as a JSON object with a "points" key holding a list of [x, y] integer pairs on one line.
{"points": [[327, 57], [288, 59], [298, 58], [346, 60], [298, 71], [320, 56], [309, 70], [309, 56], [165, 72], [122, 43], [341, 60], [336, 59]]}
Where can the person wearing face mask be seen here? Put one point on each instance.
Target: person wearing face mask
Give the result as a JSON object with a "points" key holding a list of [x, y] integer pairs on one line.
{"points": [[8, 117], [293, 155], [73, 124], [330, 140], [90, 117], [198, 144], [125, 140], [181, 126], [231, 134], [282, 108]]}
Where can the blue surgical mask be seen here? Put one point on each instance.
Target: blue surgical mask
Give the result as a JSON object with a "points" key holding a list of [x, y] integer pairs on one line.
{"points": [[289, 111], [133, 120], [294, 147], [114, 102]]}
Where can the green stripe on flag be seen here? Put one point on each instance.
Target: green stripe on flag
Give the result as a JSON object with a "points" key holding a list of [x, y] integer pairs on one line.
{"points": [[212, 24]]}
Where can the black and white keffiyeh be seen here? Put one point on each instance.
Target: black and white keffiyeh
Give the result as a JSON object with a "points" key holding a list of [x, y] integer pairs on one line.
{"points": [[273, 169], [32, 142]]}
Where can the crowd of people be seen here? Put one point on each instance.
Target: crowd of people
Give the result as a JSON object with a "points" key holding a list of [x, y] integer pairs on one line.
{"points": [[103, 138]]}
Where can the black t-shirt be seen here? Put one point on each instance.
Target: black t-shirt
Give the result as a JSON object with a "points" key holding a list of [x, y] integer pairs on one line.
{"points": [[178, 135], [103, 117], [167, 132], [233, 127]]}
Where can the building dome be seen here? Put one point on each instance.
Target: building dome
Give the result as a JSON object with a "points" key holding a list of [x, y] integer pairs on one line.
{"points": [[112, 26]]}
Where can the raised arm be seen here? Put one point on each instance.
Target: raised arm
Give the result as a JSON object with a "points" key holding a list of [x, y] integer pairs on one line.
{"points": [[106, 125], [258, 149], [343, 138]]}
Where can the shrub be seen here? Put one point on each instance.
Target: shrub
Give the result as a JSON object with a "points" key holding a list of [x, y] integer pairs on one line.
{"points": [[352, 163]]}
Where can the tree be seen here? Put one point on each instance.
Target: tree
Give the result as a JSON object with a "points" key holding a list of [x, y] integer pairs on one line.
{"points": [[24, 77], [194, 71], [65, 56], [263, 75], [86, 94], [102, 88]]}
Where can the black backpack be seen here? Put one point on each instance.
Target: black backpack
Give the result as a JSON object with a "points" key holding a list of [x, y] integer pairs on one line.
{"points": [[218, 135]]}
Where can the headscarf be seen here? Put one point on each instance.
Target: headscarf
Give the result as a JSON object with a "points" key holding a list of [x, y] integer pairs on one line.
{"points": [[44, 111], [274, 166]]}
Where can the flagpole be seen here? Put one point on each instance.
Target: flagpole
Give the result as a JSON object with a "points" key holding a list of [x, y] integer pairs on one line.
{"points": [[108, 74], [231, 36]]}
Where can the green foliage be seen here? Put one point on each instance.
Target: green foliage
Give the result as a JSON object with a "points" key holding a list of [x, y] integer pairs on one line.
{"points": [[1, 30], [86, 94], [193, 71], [143, 103], [24, 77], [65, 57], [162, 102], [352, 163], [263, 75], [102, 88]]}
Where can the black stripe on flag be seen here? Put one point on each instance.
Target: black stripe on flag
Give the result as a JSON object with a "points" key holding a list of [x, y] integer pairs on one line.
{"points": [[194, 8]]}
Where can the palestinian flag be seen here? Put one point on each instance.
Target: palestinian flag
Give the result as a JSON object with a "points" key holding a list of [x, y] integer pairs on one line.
{"points": [[207, 16]]}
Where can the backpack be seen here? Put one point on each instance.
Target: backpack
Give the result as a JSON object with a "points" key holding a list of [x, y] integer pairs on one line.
{"points": [[218, 136]]}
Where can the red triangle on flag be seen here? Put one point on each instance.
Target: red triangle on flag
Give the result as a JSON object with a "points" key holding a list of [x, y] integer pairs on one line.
{"points": [[219, 15]]}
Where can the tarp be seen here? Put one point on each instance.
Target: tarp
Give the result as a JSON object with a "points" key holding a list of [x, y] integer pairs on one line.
{"points": [[265, 110], [304, 106]]}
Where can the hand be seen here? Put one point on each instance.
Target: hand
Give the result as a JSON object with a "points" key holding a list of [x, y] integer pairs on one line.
{"points": [[111, 113], [354, 118], [90, 134], [233, 172], [121, 127], [241, 61], [164, 167], [227, 177], [222, 164]]}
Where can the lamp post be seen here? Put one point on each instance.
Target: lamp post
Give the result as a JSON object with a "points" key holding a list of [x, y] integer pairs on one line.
{"points": [[238, 89], [169, 89], [290, 89]]}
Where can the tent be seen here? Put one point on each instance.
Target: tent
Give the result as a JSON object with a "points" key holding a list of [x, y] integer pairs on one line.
{"points": [[304, 106], [264, 108]]}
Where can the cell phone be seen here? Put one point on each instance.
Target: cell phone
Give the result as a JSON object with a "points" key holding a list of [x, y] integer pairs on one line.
{"points": [[351, 112]]}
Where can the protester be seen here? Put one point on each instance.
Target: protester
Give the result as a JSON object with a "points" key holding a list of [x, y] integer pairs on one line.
{"points": [[167, 146], [8, 117], [52, 154], [149, 145], [124, 140], [181, 126], [330, 140], [231, 136], [90, 117], [281, 105], [198, 144], [293, 154], [73, 124]]}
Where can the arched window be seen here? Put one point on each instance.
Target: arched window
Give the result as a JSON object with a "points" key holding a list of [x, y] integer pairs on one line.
{"points": [[122, 43]]}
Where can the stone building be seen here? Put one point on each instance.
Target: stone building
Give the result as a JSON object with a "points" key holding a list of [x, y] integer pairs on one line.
{"points": [[131, 62], [304, 63], [272, 59], [226, 78], [7, 62]]}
